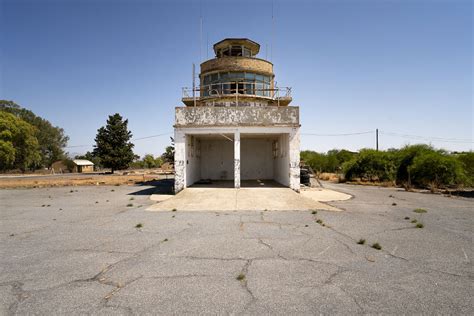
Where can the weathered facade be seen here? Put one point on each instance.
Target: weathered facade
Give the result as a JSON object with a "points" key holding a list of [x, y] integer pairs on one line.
{"points": [[237, 125]]}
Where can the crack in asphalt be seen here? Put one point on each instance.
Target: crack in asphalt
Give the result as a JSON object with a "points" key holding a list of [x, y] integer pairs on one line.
{"points": [[245, 285]]}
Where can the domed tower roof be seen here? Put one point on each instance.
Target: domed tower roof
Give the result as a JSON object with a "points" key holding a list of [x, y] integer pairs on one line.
{"points": [[236, 47]]}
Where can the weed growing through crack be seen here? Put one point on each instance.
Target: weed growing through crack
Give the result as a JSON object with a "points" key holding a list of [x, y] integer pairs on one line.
{"points": [[139, 225], [174, 210], [132, 198], [361, 241], [320, 222], [419, 210], [314, 212], [376, 246], [129, 204], [419, 225], [414, 221], [166, 239], [240, 277]]}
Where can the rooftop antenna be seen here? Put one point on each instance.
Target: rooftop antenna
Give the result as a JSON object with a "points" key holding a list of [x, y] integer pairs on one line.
{"points": [[271, 36], [200, 31]]}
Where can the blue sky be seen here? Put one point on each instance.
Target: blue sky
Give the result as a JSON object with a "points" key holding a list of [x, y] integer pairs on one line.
{"points": [[404, 67]]}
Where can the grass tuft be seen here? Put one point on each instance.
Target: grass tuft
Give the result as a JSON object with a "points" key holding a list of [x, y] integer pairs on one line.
{"points": [[314, 212], [319, 221], [414, 221], [419, 225], [361, 241], [240, 277], [139, 225], [407, 218], [376, 246], [129, 204], [174, 210], [419, 210], [166, 239], [132, 198]]}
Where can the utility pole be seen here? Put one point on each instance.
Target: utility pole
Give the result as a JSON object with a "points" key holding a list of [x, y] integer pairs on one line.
{"points": [[377, 139]]}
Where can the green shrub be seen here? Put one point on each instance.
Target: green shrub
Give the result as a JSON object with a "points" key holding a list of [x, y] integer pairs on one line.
{"points": [[467, 162], [405, 157], [371, 165], [436, 169]]}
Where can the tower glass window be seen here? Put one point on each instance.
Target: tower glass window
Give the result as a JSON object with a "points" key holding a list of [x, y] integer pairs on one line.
{"points": [[222, 83]]}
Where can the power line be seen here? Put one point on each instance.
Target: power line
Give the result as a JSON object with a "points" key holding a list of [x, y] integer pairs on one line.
{"points": [[134, 139], [152, 136], [429, 138], [345, 134]]}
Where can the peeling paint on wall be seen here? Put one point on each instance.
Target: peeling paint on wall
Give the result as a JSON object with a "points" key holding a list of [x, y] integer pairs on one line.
{"points": [[236, 116]]}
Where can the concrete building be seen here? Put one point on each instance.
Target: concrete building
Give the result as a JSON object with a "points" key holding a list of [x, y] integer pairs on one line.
{"points": [[237, 124]]}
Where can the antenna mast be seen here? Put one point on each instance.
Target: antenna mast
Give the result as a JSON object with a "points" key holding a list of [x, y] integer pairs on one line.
{"points": [[271, 36]]}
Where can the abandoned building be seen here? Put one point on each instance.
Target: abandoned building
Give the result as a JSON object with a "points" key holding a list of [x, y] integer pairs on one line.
{"points": [[237, 124]]}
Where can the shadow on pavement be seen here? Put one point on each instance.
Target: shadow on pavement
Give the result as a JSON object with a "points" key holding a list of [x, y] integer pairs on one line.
{"points": [[163, 186]]}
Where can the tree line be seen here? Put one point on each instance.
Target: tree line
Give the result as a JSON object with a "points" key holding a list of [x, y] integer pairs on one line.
{"points": [[418, 165], [29, 142]]}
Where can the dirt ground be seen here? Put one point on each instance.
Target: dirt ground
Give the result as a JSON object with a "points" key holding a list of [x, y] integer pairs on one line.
{"points": [[44, 181]]}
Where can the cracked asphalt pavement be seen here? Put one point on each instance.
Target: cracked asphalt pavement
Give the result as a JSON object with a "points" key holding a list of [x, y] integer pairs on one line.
{"points": [[76, 250]]}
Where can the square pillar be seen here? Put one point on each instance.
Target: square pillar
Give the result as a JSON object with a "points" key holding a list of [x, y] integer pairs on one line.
{"points": [[237, 160], [179, 161], [294, 152]]}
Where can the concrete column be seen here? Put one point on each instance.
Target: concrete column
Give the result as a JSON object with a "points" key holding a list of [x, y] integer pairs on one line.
{"points": [[179, 161], [294, 152], [237, 160]]}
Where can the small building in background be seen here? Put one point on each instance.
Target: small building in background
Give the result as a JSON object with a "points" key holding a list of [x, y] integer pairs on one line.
{"points": [[83, 166]]}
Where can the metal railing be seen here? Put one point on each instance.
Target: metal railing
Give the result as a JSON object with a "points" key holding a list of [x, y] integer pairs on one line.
{"points": [[240, 88]]}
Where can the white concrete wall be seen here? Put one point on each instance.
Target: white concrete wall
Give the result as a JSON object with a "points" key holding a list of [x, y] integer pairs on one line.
{"points": [[217, 159], [281, 165], [294, 141], [256, 159], [286, 169], [193, 161], [179, 160]]}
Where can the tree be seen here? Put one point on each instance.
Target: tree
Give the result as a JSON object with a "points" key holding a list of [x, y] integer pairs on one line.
{"points": [[51, 139], [113, 145], [168, 155], [19, 146]]}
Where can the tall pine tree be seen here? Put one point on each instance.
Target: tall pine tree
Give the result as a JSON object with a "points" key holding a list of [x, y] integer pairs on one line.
{"points": [[113, 145]]}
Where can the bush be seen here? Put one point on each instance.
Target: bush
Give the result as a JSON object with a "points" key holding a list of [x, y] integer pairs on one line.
{"points": [[467, 162], [330, 162], [371, 165], [405, 157], [435, 169]]}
